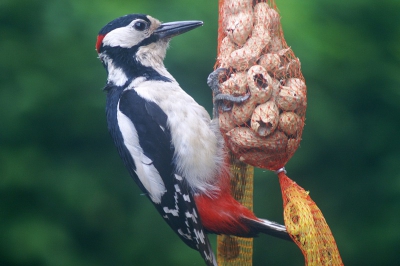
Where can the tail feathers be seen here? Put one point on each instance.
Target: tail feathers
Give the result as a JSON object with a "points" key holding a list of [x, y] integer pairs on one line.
{"points": [[205, 249], [209, 258], [267, 227]]}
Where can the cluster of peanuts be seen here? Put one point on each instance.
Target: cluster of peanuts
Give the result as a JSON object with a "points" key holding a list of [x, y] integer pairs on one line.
{"points": [[264, 130]]}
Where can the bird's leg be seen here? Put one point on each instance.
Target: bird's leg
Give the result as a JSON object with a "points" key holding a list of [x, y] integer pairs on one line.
{"points": [[219, 98], [213, 80]]}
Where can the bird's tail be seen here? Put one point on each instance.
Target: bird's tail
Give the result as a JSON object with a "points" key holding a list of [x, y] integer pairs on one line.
{"points": [[225, 215], [220, 213], [266, 227], [208, 254]]}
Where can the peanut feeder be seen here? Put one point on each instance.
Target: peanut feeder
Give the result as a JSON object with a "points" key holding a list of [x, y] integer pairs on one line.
{"points": [[269, 123], [264, 99]]}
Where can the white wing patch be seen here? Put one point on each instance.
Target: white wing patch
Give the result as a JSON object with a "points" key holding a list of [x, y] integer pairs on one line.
{"points": [[178, 177], [187, 236], [186, 197], [200, 236], [145, 170], [199, 147], [174, 212]]}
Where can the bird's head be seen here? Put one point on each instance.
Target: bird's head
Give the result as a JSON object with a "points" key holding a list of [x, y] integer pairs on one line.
{"points": [[138, 38]]}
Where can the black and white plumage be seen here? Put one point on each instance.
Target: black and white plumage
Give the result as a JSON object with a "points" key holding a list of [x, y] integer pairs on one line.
{"points": [[168, 142], [139, 94]]}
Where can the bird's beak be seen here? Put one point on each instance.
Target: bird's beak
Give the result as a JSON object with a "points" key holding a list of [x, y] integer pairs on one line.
{"points": [[171, 29]]}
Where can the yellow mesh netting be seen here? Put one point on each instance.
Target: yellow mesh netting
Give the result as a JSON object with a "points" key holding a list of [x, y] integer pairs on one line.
{"points": [[307, 226], [265, 129], [234, 250]]}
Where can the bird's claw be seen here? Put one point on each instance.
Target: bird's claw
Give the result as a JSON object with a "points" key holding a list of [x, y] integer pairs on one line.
{"points": [[213, 81], [231, 98]]}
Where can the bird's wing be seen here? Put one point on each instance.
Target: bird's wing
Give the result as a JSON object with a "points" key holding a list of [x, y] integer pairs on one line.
{"points": [[143, 125]]}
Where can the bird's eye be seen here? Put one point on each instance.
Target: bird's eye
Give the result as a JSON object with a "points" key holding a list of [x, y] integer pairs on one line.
{"points": [[140, 25]]}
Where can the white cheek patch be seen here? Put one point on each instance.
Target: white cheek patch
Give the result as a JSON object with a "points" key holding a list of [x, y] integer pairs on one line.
{"points": [[145, 170], [125, 37]]}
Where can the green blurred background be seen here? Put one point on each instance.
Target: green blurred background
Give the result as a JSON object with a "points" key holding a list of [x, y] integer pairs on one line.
{"points": [[66, 198]]}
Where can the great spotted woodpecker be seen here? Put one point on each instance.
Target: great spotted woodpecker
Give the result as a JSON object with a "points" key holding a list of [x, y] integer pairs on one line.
{"points": [[171, 147]]}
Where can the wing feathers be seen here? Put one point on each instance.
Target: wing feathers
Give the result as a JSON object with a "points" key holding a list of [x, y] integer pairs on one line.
{"points": [[146, 134]]}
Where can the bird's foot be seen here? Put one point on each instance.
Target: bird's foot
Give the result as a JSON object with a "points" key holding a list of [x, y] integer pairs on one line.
{"points": [[213, 80], [231, 98], [220, 99]]}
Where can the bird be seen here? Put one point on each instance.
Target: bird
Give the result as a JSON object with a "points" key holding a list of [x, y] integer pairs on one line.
{"points": [[170, 145]]}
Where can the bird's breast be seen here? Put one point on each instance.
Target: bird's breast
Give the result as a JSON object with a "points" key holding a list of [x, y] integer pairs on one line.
{"points": [[198, 152]]}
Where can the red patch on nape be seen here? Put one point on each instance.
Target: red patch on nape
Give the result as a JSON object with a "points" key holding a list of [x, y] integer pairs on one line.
{"points": [[99, 42]]}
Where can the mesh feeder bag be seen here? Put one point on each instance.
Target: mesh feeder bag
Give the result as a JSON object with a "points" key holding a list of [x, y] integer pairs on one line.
{"points": [[264, 127]]}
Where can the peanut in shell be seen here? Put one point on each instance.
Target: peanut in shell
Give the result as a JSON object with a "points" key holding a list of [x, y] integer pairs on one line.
{"points": [[293, 95], [226, 48], [241, 59], [259, 39], [289, 123], [236, 6], [275, 44], [261, 14], [274, 20], [239, 26], [241, 112], [260, 83], [226, 121], [244, 137], [239, 80], [270, 62], [265, 118]]}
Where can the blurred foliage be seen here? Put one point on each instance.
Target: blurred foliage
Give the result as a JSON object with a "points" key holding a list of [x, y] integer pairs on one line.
{"points": [[65, 197]]}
